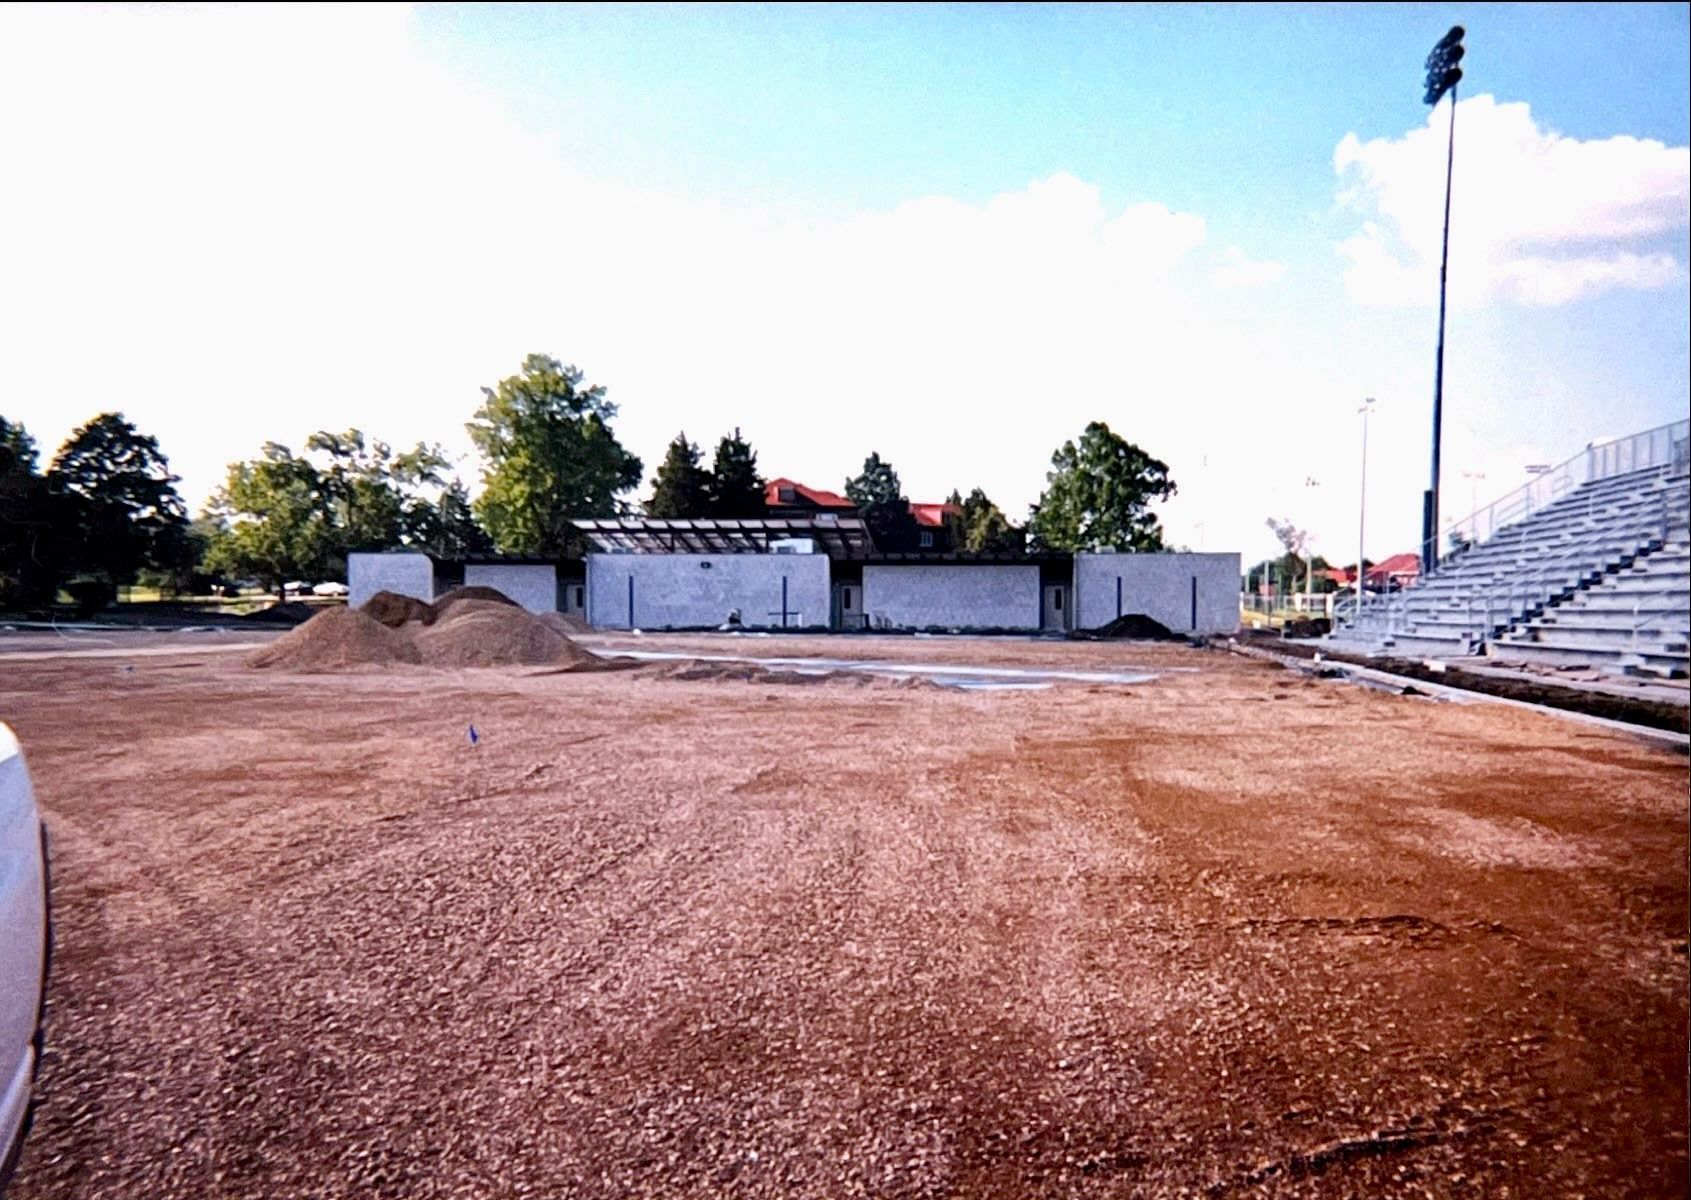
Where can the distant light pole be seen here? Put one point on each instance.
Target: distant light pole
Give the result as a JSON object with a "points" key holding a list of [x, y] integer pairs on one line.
{"points": [[1473, 478], [1308, 558], [1442, 76], [1362, 504]]}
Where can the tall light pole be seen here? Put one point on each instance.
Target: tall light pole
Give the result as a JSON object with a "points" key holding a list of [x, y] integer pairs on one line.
{"points": [[1442, 76], [1362, 505]]}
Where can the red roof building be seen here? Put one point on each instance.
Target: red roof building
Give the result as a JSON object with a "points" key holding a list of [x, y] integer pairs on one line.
{"points": [[932, 516], [790, 497], [1399, 568]]}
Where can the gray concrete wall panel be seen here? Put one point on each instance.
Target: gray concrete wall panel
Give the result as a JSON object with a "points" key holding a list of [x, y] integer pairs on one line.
{"points": [[406, 574], [1159, 586], [683, 591], [952, 596]]}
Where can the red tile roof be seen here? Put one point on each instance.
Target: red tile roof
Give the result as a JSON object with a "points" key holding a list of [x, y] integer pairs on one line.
{"points": [[805, 495], [933, 515]]}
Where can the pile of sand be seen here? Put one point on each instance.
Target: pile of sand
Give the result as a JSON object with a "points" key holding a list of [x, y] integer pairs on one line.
{"points": [[468, 627], [567, 624], [393, 609], [497, 636], [335, 639], [461, 595]]}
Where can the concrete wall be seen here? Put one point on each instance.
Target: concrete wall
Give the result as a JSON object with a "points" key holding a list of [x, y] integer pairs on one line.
{"points": [[952, 596], [532, 585], [406, 574], [1158, 586], [692, 590]]}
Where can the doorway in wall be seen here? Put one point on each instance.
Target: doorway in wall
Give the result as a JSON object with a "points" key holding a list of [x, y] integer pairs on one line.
{"points": [[1054, 615]]}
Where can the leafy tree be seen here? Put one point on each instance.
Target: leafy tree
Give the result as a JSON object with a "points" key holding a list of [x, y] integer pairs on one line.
{"points": [[682, 487], [446, 528], [549, 455], [277, 525], [17, 449], [283, 516], [368, 488], [736, 488], [38, 527], [1295, 542], [129, 516], [985, 528], [1098, 495]]}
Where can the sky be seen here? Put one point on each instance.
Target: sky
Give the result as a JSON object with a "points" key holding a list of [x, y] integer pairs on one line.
{"points": [[950, 234]]}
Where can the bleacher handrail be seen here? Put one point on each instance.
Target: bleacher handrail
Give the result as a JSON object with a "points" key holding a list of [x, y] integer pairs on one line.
{"points": [[1665, 445]]}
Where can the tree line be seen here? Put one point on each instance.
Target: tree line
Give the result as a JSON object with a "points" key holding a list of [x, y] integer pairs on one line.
{"points": [[105, 512]]}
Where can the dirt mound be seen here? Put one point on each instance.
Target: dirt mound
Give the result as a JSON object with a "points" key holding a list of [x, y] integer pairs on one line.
{"points": [[335, 639], [393, 609], [471, 592], [496, 636], [1133, 625], [463, 608], [291, 613], [567, 624]]}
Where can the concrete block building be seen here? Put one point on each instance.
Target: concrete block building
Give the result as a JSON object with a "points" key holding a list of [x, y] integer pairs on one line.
{"points": [[811, 563], [824, 571]]}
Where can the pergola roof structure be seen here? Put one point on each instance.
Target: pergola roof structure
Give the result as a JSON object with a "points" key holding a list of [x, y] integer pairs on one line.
{"points": [[837, 536]]}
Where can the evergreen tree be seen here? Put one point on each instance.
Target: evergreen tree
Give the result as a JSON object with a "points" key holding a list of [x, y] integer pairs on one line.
{"points": [[886, 510], [736, 488], [682, 487]]}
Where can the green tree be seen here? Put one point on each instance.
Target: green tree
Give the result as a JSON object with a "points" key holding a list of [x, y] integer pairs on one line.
{"points": [[1098, 494], [876, 485], [38, 527], [880, 498], [283, 516], [275, 520], [367, 488], [985, 528], [549, 455], [17, 449], [736, 488], [682, 487], [446, 528], [129, 515]]}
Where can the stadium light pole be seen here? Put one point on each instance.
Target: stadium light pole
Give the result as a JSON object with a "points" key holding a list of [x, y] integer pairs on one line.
{"points": [[1443, 74], [1362, 505]]}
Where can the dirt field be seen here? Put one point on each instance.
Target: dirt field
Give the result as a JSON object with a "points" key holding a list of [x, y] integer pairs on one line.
{"points": [[1232, 932]]}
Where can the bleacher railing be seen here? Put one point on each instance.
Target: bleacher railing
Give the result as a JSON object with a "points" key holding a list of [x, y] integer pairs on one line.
{"points": [[1665, 445]]}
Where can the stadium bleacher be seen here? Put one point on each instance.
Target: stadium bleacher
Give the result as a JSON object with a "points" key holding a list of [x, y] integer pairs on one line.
{"points": [[1600, 576]]}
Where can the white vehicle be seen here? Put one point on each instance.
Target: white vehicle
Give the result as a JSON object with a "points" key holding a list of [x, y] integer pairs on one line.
{"points": [[296, 587], [24, 944], [330, 589]]}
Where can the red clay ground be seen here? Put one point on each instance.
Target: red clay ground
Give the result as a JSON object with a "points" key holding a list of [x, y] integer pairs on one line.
{"points": [[1234, 932]]}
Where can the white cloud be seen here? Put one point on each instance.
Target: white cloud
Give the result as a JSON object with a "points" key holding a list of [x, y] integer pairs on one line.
{"points": [[1536, 217], [1236, 269], [246, 224]]}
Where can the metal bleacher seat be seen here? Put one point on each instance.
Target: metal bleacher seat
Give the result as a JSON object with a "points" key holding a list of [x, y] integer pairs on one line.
{"points": [[1598, 573]]}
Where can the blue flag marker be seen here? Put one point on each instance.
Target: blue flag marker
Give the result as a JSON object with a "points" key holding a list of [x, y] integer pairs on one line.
{"points": [[474, 736]]}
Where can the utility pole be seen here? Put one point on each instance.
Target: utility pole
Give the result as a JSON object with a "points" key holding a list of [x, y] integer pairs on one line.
{"points": [[1442, 76]]}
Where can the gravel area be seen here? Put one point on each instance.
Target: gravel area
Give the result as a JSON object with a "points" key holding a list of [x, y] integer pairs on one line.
{"points": [[1234, 932]]}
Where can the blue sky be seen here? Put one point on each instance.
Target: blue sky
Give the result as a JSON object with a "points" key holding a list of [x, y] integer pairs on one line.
{"points": [[952, 234]]}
